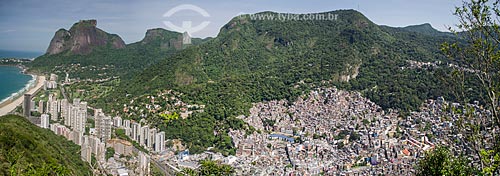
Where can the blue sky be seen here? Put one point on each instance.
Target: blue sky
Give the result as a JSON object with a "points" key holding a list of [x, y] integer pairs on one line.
{"points": [[28, 25]]}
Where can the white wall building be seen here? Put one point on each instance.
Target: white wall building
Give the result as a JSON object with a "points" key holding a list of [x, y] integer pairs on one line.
{"points": [[44, 121], [160, 142]]}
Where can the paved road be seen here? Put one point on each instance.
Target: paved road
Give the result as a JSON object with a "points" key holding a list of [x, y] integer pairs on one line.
{"points": [[162, 167]]}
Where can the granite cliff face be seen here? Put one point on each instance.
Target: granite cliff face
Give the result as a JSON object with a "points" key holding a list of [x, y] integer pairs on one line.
{"points": [[82, 38], [164, 39]]}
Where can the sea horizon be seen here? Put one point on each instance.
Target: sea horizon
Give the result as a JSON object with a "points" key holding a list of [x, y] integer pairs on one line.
{"points": [[19, 54]]}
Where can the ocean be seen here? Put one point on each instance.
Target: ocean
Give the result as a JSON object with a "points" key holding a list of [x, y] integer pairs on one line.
{"points": [[12, 81], [19, 54]]}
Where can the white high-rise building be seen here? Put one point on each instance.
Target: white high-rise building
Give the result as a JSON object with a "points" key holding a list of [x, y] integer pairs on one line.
{"points": [[143, 164], [64, 108], [44, 121], [86, 152], [102, 125], [54, 113], [80, 120], [126, 123], [94, 144], [98, 115], [126, 126], [144, 134], [73, 111], [117, 121], [106, 129], [77, 137], [41, 107], [134, 134], [160, 142], [76, 116], [151, 138]]}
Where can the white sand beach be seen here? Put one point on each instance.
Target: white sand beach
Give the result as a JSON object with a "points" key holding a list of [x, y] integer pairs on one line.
{"points": [[9, 106]]}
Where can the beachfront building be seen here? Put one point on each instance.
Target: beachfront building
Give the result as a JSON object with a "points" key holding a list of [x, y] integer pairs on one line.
{"points": [[27, 105]]}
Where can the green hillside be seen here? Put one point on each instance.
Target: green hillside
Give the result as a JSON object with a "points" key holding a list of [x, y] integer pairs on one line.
{"points": [[426, 29], [26, 149], [253, 60], [260, 60]]}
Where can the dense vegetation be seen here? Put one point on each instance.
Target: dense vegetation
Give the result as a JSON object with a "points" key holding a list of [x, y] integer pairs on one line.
{"points": [[440, 162], [208, 167], [261, 60], [26, 149]]}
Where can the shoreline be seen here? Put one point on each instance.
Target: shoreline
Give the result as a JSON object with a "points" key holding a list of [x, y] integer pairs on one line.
{"points": [[20, 92], [10, 103]]}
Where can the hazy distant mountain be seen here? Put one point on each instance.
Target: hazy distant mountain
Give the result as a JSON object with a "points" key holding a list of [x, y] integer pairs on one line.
{"points": [[82, 38], [426, 29]]}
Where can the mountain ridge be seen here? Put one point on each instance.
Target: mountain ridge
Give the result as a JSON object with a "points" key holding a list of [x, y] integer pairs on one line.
{"points": [[427, 29], [82, 38], [254, 60]]}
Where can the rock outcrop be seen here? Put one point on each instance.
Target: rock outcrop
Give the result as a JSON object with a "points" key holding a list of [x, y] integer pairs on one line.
{"points": [[165, 39], [82, 38]]}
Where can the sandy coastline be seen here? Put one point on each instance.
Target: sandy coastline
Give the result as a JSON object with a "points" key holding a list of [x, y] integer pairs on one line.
{"points": [[10, 105]]}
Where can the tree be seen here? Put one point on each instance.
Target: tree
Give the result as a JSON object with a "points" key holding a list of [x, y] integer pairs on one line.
{"points": [[187, 172], [478, 57], [441, 162], [208, 167], [110, 151], [481, 55]]}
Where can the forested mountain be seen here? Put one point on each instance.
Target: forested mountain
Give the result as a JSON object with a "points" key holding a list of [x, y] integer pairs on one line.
{"points": [[259, 60], [426, 29], [26, 149], [105, 61], [253, 60]]}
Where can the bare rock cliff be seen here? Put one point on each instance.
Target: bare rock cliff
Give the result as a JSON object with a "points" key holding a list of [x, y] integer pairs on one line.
{"points": [[82, 38]]}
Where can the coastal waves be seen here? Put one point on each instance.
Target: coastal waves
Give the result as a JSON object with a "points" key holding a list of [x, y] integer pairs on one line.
{"points": [[30, 84]]}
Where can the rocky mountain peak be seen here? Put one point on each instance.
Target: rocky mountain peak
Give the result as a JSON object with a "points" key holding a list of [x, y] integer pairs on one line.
{"points": [[82, 38]]}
